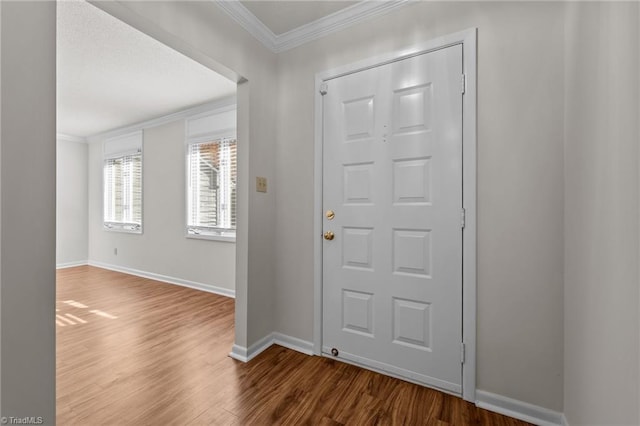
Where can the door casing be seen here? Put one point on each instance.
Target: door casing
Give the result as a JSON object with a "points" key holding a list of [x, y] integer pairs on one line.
{"points": [[468, 40]]}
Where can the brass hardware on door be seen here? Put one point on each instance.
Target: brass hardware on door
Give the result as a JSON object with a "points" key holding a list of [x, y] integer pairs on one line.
{"points": [[328, 235], [330, 214]]}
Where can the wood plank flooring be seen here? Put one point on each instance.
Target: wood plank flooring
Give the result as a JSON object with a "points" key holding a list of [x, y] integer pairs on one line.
{"points": [[132, 351]]}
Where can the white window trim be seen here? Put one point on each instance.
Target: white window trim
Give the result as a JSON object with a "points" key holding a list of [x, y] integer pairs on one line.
{"points": [[127, 149], [127, 228], [220, 234], [227, 236], [200, 128]]}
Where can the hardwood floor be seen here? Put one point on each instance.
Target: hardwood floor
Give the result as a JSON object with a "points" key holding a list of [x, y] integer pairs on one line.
{"points": [[132, 351]]}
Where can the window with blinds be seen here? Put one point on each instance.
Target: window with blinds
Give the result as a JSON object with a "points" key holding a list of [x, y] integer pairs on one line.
{"points": [[211, 187], [122, 180]]}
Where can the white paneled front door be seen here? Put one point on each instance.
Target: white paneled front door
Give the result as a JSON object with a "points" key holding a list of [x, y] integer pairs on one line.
{"points": [[392, 195]]}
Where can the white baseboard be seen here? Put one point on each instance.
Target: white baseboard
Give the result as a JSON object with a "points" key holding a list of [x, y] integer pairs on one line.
{"points": [[239, 353], [166, 279], [245, 355], [72, 264], [519, 409], [293, 343], [260, 346]]}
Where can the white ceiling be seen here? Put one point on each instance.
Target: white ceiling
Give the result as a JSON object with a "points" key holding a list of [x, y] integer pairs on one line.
{"points": [[283, 16], [111, 75]]}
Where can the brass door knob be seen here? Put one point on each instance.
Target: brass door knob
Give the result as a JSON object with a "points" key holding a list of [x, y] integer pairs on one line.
{"points": [[328, 235]]}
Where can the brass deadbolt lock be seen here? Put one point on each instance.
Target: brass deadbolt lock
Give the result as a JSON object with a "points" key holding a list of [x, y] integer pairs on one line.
{"points": [[330, 214]]}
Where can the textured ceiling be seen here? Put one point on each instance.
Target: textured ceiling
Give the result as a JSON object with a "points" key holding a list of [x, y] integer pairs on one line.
{"points": [[283, 16], [111, 75]]}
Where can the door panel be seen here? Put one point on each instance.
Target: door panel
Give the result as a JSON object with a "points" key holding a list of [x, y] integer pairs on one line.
{"points": [[392, 173]]}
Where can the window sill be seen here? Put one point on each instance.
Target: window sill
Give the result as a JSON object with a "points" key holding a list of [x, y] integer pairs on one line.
{"points": [[227, 237], [122, 229]]}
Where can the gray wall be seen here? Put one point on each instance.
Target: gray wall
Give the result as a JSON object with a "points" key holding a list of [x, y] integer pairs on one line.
{"points": [[162, 248], [27, 209], [601, 214], [520, 175], [72, 203], [524, 220]]}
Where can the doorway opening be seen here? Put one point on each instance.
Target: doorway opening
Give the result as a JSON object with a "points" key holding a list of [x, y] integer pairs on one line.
{"points": [[151, 154]]}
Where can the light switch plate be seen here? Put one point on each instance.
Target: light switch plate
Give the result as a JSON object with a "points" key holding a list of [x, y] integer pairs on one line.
{"points": [[261, 184]]}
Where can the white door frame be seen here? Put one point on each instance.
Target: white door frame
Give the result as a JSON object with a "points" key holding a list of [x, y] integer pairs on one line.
{"points": [[468, 40]]}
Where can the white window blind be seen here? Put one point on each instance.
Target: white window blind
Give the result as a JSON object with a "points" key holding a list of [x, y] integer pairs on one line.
{"points": [[122, 181], [211, 187]]}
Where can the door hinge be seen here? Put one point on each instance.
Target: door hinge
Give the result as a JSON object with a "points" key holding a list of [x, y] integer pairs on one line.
{"points": [[324, 88], [464, 83], [462, 354], [463, 217]]}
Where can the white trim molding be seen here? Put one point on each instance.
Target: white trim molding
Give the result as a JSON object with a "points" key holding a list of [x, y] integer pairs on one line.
{"points": [[243, 354], [165, 279], [249, 22], [293, 343], [72, 264], [239, 353], [70, 138], [519, 410], [468, 40], [309, 32], [222, 104]]}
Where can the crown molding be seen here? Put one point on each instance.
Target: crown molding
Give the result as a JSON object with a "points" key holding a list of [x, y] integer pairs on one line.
{"points": [[309, 32], [249, 22], [70, 138], [335, 22], [223, 104]]}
